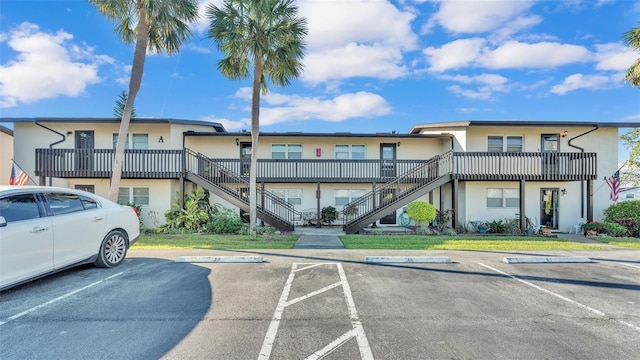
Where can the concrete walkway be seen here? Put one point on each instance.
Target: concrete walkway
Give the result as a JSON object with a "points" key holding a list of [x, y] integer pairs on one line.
{"points": [[319, 238]]}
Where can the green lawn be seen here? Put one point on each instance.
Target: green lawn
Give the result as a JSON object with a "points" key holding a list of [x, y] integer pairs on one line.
{"points": [[633, 243], [212, 242], [462, 242], [392, 242]]}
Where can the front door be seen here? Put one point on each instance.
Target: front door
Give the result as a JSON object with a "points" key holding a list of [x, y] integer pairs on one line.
{"points": [[388, 160], [245, 158], [84, 149], [549, 207], [387, 196], [550, 147]]}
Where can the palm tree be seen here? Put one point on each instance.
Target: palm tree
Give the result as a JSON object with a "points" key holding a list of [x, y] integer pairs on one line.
{"points": [[267, 35], [632, 39], [159, 26], [118, 110]]}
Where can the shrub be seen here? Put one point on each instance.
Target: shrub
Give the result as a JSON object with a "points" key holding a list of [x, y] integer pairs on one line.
{"points": [[328, 214], [225, 221], [623, 210], [632, 226], [442, 218], [421, 212], [613, 229], [496, 226]]}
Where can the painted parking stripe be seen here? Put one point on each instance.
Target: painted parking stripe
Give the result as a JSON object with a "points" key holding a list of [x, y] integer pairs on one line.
{"points": [[16, 316], [356, 332], [595, 311]]}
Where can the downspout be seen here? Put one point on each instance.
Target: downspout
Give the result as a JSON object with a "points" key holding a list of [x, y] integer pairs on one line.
{"points": [[54, 143], [581, 182]]}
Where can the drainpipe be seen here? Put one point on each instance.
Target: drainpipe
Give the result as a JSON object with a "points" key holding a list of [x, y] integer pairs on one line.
{"points": [[53, 143], [581, 182]]}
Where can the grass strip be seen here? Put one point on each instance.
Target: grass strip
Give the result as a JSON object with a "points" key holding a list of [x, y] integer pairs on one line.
{"points": [[214, 242], [417, 242], [632, 243]]}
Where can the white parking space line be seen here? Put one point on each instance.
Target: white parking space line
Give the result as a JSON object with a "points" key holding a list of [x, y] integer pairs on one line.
{"points": [[629, 265], [16, 316], [595, 311], [356, 332]]}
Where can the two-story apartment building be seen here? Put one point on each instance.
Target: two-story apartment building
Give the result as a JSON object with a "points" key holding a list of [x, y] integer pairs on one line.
{"points": [[486, 170], [6, 154]]}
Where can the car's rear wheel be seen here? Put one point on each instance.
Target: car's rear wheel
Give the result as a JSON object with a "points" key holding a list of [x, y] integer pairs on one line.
{"points": [[113, 249]]}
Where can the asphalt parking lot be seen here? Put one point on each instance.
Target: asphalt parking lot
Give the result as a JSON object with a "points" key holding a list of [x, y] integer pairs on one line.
{"points": [[301, 304]]}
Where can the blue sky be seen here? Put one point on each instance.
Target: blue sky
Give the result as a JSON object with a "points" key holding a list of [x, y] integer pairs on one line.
{"points": [[370, 66]]}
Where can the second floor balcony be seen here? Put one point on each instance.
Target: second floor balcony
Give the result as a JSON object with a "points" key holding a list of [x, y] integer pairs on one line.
{"points": [[467, 166]]}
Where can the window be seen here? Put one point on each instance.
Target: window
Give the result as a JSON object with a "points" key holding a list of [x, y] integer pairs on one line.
{"points": [[497, 144], [343, 197], [503, 198], [350, 152], [286, 151], [135, 141], [61, 203], [135, 195], [19, 207], [292, 196]]}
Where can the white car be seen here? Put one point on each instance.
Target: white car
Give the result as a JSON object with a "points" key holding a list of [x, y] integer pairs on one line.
{"points": [[46, 229]]}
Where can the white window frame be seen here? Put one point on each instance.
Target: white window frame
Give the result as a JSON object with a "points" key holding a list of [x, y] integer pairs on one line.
{"points": [[504, 199], [288, 194], [132, 196], [130, 143], [350, 151], [352, 194], [505, 142], [288, 151]]}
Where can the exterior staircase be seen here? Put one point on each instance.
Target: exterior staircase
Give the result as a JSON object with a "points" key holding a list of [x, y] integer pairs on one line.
{"points": [[397, 193], [233, 188]]}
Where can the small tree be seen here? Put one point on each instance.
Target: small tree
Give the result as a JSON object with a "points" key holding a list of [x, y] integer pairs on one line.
{"points": [[421, 212], [118, 110]]}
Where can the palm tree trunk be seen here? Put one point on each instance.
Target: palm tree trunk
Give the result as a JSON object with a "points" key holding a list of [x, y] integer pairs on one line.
{"points": [[255, 132], [137, 70]]}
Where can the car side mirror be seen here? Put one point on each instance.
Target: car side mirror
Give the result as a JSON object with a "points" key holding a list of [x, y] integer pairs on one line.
{"points": [[3, 222]]}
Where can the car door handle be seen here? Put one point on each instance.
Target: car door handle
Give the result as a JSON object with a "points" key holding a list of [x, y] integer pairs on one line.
{"points": [[38, 229], [97, 218]]}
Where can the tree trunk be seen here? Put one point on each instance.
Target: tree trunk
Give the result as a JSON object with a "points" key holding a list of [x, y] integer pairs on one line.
{"points": [[137, 69], [255, 132]]}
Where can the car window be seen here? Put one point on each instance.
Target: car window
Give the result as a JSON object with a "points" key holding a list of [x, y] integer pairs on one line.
{"points": [[63, 203], [19, 207], [88, 202]]}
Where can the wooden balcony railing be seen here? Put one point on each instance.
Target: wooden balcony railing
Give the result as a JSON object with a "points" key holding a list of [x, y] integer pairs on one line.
{"points": [[525, 166], [168, 164], [98, 163]]}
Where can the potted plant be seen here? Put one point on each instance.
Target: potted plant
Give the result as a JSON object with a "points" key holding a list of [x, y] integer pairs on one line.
{"points": [[591, 228], [483, 227]]}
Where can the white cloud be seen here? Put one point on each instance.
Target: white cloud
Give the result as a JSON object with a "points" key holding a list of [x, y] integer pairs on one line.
{"points": [[487, 85], [230, 125], [46, 66], [580, 81], [514, 54], [614, 57], [470, 17], [454, 55], [280, 108], [510, 55]]}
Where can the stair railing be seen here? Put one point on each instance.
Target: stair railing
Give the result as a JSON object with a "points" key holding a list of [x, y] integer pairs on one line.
{"points": [[397, 189]]}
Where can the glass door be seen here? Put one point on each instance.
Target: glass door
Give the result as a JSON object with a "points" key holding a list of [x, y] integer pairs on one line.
{"points": [[245, 158], [549, 208], [550, 147], [84, 147], [388, 160]]}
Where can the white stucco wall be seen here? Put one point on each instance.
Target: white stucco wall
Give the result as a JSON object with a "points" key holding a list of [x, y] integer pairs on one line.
{"points": [[6, 154]]}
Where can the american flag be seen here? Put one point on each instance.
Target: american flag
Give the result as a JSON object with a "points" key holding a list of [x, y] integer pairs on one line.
{"points": [[22, 178], [614, 185]]}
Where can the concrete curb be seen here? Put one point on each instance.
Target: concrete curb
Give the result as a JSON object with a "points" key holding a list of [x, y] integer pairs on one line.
{"points": [[220, 259], [546, 259], [407, 259]]}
